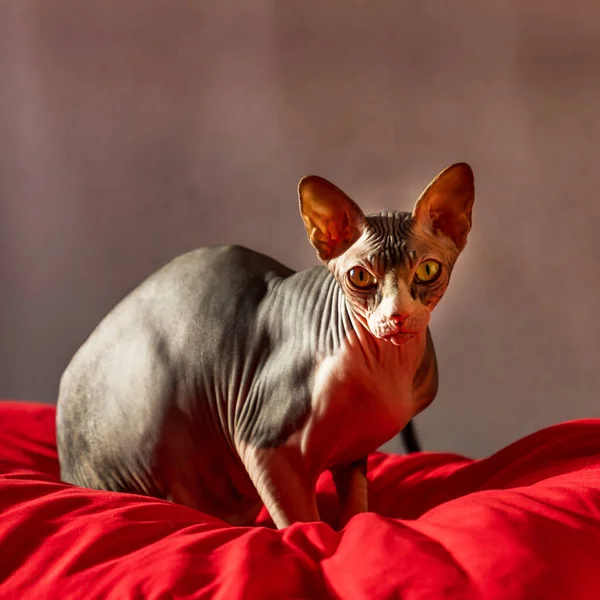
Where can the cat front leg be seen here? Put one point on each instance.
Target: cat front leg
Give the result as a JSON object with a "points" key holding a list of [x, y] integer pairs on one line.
{"points": [[284, 486], [351, 486]]}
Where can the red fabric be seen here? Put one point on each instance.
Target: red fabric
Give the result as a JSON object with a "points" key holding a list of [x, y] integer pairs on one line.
{"points": [[524, 523]]}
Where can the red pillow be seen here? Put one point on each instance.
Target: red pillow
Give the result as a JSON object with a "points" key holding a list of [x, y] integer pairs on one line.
{"points": [[524, 523]]}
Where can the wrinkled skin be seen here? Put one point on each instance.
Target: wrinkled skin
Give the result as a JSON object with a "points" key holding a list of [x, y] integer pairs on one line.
{"points": [[226, 380]]}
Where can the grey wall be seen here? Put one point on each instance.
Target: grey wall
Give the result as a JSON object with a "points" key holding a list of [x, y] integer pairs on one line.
{"points": [[133, 131]]}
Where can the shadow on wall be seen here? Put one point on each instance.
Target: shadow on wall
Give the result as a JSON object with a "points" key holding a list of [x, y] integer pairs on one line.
{"points": [[130, 134]]}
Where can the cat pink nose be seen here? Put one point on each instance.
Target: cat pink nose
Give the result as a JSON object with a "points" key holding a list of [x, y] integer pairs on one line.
{"points": [[398, 319]]}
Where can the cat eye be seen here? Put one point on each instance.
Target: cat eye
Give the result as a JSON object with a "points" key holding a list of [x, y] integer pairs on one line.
{"points": [[428, 271], [361, 278]]}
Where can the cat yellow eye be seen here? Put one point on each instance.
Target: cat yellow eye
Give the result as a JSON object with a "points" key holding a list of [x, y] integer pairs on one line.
{"points": [[428, 271], [361, 278]]}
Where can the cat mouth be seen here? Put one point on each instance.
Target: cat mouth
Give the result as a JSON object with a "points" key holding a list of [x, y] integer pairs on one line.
{"points": [[399, 338]]}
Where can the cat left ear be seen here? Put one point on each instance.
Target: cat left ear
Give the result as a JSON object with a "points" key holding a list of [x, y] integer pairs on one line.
{"points": [[333, 221], [446, 205]]}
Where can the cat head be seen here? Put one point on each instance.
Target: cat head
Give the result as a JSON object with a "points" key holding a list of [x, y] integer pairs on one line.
{"points": [[393, 267]]}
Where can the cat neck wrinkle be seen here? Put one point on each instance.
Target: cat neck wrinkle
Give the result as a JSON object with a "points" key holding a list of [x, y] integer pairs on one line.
{"points": [[309, 306], [327, 316], [335, 321]]}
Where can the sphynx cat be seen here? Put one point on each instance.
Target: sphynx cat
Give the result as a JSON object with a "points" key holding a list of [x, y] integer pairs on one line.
{"points": [[226, 380]]}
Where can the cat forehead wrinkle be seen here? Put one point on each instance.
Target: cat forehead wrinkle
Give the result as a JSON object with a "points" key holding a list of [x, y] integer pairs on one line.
{"points": [[389, 221], [384, 240], [412, 256]]}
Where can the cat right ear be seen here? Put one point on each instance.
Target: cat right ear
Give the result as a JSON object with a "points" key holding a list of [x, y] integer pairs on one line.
{"points": [[446, 205], [333, 221]]}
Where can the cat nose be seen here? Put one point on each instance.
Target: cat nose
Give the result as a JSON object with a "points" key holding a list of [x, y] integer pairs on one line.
{"points": [[399, 318]]}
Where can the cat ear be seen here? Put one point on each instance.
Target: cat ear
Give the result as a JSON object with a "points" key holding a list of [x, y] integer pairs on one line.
{"points": [[446, 205], [333, 221]]}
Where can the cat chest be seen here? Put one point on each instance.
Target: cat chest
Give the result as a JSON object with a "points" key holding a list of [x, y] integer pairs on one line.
{"points": [[359, 401]]}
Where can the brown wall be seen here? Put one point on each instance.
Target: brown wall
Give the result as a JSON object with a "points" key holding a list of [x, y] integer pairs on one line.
{"points": [[133, 131]]}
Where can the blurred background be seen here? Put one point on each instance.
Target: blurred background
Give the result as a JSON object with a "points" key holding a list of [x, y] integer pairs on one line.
{"points": [[131, 132]]}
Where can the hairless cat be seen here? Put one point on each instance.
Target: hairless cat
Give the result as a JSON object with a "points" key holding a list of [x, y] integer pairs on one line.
{"points": [[226, 380]]}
